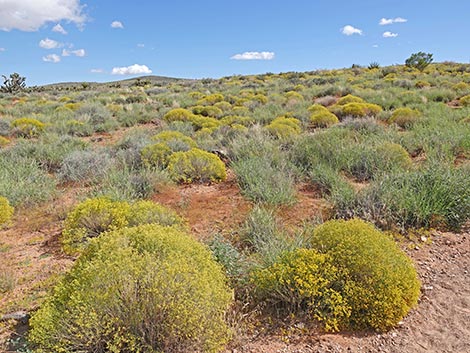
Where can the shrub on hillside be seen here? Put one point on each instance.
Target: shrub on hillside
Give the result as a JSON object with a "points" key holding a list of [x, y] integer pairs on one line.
{"points": [[284, 127], [353, 277], [349, 98], [85, 166], [27, 127], [357, 110], [405, 117], [4, 141], [141, 289], [207, 110], [465, 101], [178, 114], [156, 155], [323, 119], [176, 140], [6, 211], [196, 165]]}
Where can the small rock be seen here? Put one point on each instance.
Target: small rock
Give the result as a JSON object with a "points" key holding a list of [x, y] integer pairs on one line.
{"points": [[423, 238], [21, 316]]}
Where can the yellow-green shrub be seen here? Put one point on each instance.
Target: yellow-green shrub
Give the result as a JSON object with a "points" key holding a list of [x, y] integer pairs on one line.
{"points": [[205, 122], [323, 119], [405, 117], [224, 106], [178, 114], [172, 138], [359, 110], [211, 99], [140, 289], [207, 110], [27, 127], [156, 155], [293, 96], [237, 120], [94, 216], [284, 127], [380, 283], [6, 211], [465, 101], [196, 165], [317, 108], [349, 98], [353, 277]]}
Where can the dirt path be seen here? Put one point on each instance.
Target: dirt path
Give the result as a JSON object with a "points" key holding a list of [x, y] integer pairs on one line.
{"points": [[440, 323]]}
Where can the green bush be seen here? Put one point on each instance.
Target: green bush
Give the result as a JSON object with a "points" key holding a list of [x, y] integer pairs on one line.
{"points": [[349, 98], [6, 211], [357, 110], [178, 114], [207, 110], [465, 101], [405, 117], [196, 165], [94, 216], [284, 127], [176, 140], [353, 277], [141, 289], [23, 182], [27, 127], [156, 155], [323, 119]]}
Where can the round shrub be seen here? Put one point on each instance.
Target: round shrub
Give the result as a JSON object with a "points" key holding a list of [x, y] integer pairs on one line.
{"points": [[349, 98], [380, 283], [176, 140], [353, 277], [141, 289], [405, 117], [6, 211], [317, 108], [323, 119], [207, 110], [156, 155], [196, 165], [27, 127], [211, 99], [293, 97], [91, 218], [465, 101], [284, 127], [360, 109], [94, 216], [178, 114]]}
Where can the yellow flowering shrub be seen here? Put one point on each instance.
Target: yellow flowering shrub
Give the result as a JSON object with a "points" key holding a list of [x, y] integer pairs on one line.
{"points": [[323, 119], [196, 165], [6, 211], [354, 276], [284, 127], [140, 289], [27, 127], [405, 117]]}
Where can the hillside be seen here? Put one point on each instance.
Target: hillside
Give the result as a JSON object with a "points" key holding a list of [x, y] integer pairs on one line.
{"points": [[254, 168]]}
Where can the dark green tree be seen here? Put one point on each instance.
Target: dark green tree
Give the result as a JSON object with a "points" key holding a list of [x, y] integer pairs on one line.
{"points": [[12, 84], [419, 60]]}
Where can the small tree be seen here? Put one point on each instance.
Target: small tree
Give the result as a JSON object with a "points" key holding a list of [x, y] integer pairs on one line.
{"points": [[419, 60], [12, 84]]}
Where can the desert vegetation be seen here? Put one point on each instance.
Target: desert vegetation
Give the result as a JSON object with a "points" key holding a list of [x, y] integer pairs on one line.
{"points": [[325, 178]]}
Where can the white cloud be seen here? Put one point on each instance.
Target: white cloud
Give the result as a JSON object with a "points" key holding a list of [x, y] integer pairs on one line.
{"points": [[140, 45], [2, 49], [389, 21], [51, 58], [30, 15], [350, 30], [389, 34], [78, 52], [59, 29], [254, 55], [49, 44], [117, 24], [135, 69], [375, 46], [97, 71]]}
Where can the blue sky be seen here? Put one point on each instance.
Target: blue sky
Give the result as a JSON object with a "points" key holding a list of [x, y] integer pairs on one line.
{"points": [[208, 38]]}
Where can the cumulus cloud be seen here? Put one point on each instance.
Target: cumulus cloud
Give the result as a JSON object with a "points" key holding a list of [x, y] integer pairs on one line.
{"points": [[49, 44], [30, 15], [254, 55], [141, 45], [2, 49], [117, 24], [59, 29], [389, 21], [78, 52], [389, 34], [135, 69], [97, 71], [51, 58], [350, 30]]}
